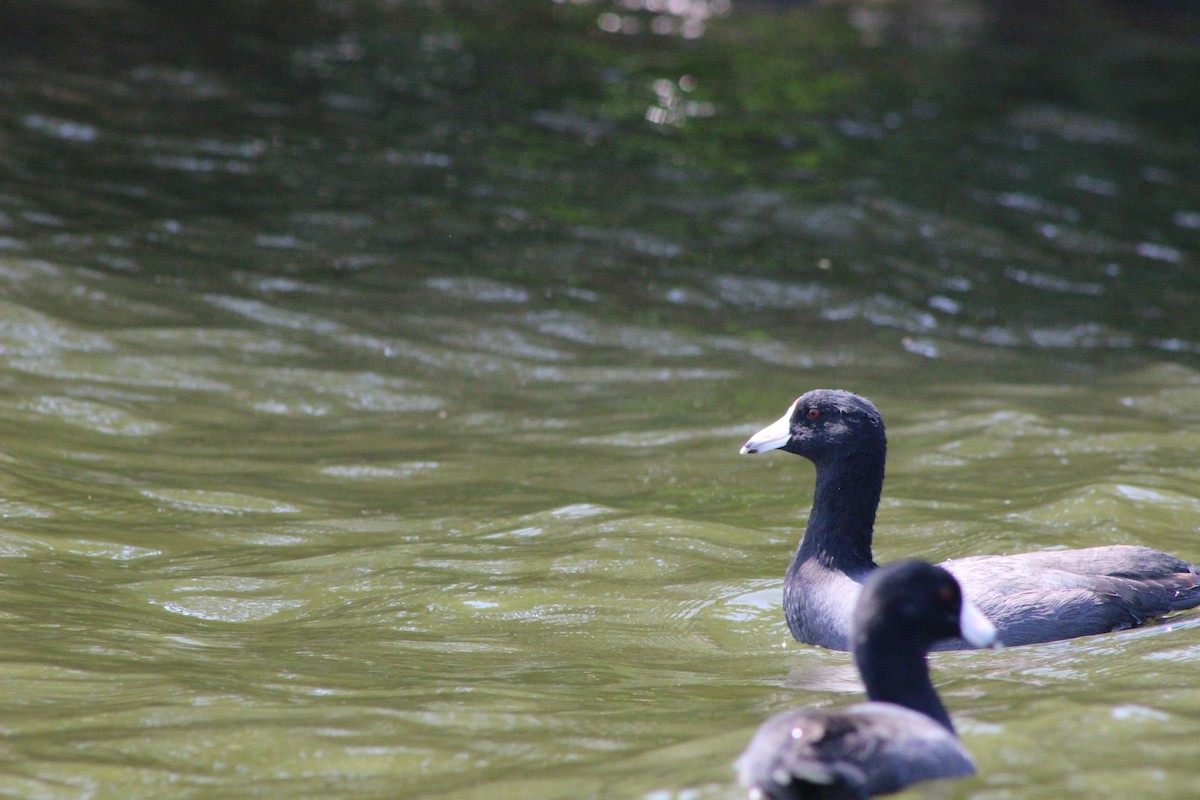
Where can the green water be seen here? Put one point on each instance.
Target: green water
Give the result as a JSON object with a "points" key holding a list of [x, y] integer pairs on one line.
{"points": [[373, 378]]}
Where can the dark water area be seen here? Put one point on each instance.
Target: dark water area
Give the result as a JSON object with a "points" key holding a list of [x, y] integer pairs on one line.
{"points": [[1001, 176], [374, 373]]}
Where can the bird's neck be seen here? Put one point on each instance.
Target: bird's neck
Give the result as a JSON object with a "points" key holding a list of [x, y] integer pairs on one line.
{"points": [[900, 675], [842, 520]]}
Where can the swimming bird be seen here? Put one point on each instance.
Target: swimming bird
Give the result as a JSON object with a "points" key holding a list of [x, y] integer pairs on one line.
{"points": [[1031, 597], [902, 734]]}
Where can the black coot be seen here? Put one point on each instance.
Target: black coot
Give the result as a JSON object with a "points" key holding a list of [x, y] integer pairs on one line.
{"points": [[1031, 597], [903, 735]]}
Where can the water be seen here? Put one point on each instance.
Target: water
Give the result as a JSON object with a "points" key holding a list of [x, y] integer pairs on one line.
{"points": [[373, 382]]}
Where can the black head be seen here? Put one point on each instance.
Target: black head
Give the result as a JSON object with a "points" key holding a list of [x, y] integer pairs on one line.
{"points": [[823, 425], [909, 604]]}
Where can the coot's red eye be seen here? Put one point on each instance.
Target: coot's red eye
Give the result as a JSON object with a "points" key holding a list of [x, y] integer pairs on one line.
{"points": [[813, 413]]}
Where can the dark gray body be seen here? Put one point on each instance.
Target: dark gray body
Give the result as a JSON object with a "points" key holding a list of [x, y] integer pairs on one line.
{"points": [[855, 752], [1031, 597]]}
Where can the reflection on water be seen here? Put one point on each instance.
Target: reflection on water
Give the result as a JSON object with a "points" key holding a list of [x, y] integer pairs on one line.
{"points": [[374, 378]]}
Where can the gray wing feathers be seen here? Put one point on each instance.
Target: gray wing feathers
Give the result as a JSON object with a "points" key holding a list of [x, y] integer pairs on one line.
{"points": [[1043, 596], [857, 752]]}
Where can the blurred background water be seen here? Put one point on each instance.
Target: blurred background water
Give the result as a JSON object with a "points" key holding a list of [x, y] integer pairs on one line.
{"points": [[374, 374]]}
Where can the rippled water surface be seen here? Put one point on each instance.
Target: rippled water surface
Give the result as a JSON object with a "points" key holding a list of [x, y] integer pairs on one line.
{"points": [[373, 379]]}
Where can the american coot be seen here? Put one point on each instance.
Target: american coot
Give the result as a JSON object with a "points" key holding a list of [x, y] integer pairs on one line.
{"points": [[903, 735], [1032, 597]]}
